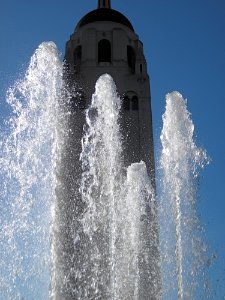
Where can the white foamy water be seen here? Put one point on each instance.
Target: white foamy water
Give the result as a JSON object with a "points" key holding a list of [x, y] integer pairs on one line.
{"points": [[116, 205], [74, 222], [27, 178], [182, 249]]}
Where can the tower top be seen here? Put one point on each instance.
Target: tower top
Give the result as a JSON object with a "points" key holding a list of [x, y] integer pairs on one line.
{"points": [[104, 13], [104, 4]]}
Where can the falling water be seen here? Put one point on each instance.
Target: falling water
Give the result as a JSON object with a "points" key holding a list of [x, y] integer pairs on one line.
{"points": [[110, 245], [27, 178], [181, 233], [101, 162], [116, 222], [117, 199], [101, 182]]}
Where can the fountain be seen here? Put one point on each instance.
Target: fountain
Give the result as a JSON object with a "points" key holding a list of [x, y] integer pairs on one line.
{"points": [[28, 156], [111, 241], [109, 248], [182, 246]]}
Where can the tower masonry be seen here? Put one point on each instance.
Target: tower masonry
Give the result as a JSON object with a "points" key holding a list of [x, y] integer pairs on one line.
{"points": [[104, 41]]}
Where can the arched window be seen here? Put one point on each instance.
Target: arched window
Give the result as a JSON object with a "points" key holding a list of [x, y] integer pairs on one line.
{"points": [[134, 103], [130, 101], [104, 51], [77, 58], [131, 58]]}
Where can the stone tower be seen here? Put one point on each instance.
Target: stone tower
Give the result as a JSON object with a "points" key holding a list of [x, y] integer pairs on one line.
{"points": [[104, 41]]}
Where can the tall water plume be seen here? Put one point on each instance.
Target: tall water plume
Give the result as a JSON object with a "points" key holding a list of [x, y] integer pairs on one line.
{"points": [[107, 214], [28, 156], [91, 227], [181, 232], [101, 181]]}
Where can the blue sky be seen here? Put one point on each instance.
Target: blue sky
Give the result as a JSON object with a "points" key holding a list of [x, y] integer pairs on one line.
{"points": [[184, 44]]}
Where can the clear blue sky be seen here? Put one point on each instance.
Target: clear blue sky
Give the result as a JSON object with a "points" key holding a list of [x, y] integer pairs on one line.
{"points": [[184, 43]]}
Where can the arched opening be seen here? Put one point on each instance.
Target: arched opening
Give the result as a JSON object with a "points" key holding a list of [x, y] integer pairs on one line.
{"points": [[77, 58], [130, 101], [134, 103], [104, 51], [131, 58]]}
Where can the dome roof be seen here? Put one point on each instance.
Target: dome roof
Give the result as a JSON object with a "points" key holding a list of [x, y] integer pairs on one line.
{"points": [[104, 14]]}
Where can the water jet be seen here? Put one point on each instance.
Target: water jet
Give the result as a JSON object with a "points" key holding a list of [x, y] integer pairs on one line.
{"points": [[79, 212]]}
